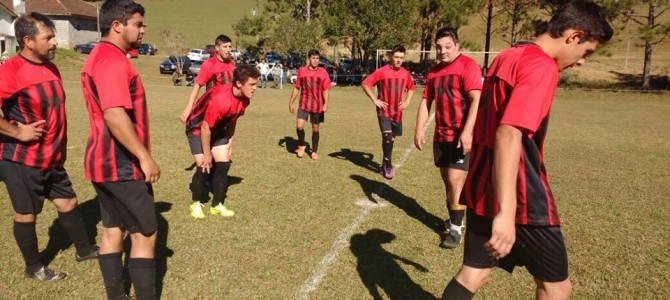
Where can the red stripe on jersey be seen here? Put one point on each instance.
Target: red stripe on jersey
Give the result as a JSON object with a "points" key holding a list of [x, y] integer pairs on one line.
{"points": [[391, 85], [32, 92], [110, 81], [214, 72], [448, 85]]}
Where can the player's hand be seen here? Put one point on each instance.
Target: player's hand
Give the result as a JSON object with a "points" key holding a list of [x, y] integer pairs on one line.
{"points": [[402, 105], [503, 235], [325, 107], [381, 104], [291, 109], [419, 140], [184, 115], [206, 163], [150, 169], [30, 132], [465, 141]]}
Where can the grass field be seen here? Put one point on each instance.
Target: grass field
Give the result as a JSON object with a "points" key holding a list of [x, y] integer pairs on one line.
{"points": [[334, 229]]}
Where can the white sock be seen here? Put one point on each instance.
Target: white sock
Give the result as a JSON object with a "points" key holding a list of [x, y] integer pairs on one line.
{"points": [[459, 229]]}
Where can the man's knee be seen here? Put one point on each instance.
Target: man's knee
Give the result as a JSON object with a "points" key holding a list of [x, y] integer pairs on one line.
{"points": [[473, 278], [65, 205], [553, 290], [24, 218]]}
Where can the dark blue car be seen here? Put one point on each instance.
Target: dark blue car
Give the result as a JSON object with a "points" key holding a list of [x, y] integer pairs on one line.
{"points": [[85, 48]]}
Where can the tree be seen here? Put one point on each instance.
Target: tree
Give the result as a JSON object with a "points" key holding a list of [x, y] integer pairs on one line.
{"points": [[174, 46], [650, 30], [249, 27]]}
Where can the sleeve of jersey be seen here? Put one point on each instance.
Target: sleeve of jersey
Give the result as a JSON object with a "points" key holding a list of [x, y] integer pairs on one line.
{"points": [[112, 82], [532, 94], [371, 80], [326, 80], [472, 77], [410, 82], [203, 75], [7, 83]]}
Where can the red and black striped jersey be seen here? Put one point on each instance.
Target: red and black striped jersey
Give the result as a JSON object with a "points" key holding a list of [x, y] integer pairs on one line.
{"points": [[518, 91], [108, 81], [448, 85], [391, 85], [32, 92], [224, 108], [312, 84], [214, 72]]}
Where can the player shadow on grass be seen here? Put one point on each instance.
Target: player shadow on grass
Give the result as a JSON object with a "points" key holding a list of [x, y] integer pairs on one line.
{"points": [[407, 204], [291, 145], [361, 159], [58, 239], [380, 269]]}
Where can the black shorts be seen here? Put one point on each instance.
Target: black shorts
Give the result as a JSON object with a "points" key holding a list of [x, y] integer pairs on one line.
{"points": [[386, 124], [540, 248], [314, 118], [446, 154], [28, 187], [128, 205], [195, 143]]}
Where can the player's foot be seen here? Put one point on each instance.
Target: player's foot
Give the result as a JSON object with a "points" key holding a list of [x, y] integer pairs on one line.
{"points": [[382, 170], [221, 210], [388, 172], [452, 239], [314, 156], [91, 255], [46, 274], [300, 152], [196, 210]]}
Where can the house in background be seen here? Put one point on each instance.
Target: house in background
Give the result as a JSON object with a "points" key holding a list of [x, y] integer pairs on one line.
{"points": [[76, 21]]}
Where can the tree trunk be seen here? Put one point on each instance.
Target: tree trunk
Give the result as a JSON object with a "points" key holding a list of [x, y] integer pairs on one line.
{"points": [[646, 71], [515, 22], [308, 15]]}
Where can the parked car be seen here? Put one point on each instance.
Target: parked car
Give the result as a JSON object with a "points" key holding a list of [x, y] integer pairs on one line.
{"points": [[210, 49], [273, 57], [250, 55], [169, 65], [85, 48], [198, 54], [132, 53], [147, 49], [294, 61], [195, 67], [418, 77]]}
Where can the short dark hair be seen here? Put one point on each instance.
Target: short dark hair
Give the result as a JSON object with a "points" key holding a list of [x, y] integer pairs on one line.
{"points": [[26, 26], [222, 39], [397, 48], [117, 10], [581, 15], [245, 71], [313, 52], [447, 32]]}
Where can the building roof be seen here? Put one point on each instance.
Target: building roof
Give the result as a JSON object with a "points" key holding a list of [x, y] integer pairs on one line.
{"points": [[77, 8], [8, 6]]}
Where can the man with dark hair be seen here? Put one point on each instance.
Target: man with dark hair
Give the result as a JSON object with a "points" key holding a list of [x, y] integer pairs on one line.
{"points": [[118, 157], [313, 85], [512, 216], [392, 81], [33, 143], [215, 71], [455, 86], [214, 120]]}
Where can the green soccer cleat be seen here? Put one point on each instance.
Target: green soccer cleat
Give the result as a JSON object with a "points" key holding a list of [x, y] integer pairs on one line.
{"points": [[221, 210], [196, 210]]}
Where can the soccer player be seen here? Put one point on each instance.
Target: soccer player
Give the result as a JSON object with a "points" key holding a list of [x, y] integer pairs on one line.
{"points": [[455, 86], [313, 85], [512, 216], [392, 81], [33, 143], [215, 71], [210, 130], [118, 155]]}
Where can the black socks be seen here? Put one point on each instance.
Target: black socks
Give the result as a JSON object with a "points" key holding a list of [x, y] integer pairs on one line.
{"points": [[220, 182], [75, 228], [26, 238], [198, 185], [143, 275], [387, 147], [111, 267], [456, 291], [301, 136], [315, 141]]}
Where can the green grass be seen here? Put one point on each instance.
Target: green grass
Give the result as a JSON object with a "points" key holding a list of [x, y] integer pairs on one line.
{"points": [[607, 156]]}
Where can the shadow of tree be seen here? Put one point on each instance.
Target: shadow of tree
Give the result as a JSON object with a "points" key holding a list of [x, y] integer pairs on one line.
{"points": [[361, 159], [407, 204], [656, 82], [379, 269]]}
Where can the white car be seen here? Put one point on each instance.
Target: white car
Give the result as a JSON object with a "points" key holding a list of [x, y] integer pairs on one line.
{"points": [[198, 54]]}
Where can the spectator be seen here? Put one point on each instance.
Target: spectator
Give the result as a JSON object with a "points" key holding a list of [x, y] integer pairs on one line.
{"points": [[264, 68], [276, 75]]}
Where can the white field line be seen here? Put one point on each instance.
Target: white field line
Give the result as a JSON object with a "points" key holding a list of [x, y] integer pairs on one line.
{"points": [[342, 241]]}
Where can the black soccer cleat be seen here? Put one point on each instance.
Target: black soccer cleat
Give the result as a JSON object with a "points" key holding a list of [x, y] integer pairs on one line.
{"points": [[451, 240], [46, 274], [91, 255]]}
